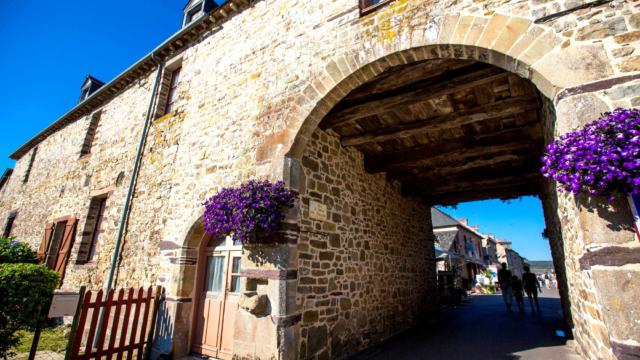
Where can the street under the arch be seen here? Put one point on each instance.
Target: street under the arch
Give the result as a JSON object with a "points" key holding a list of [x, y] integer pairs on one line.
{"points": [[481, 328]]}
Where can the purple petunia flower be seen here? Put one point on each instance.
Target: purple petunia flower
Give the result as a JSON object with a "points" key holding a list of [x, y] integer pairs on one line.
{"points": [[249, 212], [602, 158]]}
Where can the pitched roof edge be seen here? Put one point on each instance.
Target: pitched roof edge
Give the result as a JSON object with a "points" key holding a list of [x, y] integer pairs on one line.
{"points": [[457, 223], [138, 69]]}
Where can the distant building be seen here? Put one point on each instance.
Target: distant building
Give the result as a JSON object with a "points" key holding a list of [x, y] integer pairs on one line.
{"points": [[507, 255], [490, 248], [461, 240]]}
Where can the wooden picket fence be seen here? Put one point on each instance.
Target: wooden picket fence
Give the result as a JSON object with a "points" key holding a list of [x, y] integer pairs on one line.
{"points": [[119, 325]]}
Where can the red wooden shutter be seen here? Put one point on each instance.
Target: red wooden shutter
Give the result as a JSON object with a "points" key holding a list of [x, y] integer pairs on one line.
{"points": [[44, 245], [65, 246]]}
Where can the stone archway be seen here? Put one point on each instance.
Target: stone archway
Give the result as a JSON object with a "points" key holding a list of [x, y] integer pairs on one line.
{"points": [[559, 72], [179, 279], [511, 43]]}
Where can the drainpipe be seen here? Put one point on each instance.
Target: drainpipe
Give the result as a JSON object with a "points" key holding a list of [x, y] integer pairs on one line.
{"points": [[124, 218]]}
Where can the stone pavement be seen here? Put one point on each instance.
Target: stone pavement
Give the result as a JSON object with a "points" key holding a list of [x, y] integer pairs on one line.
{"points": [[482, 329]]}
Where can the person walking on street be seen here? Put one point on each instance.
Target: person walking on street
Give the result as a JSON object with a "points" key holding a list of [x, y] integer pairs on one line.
{"points": [[516, 286], [531, 287], [547, 283], [504, 280]]}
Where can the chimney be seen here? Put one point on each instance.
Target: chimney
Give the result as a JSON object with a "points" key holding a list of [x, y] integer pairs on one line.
{"points": [[463, 221]]}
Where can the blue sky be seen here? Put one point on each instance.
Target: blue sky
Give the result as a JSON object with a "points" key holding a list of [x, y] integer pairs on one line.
{"points": [[48, 47], [520, 220]]}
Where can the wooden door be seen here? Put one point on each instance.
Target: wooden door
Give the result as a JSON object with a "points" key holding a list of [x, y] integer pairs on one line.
{"points": [[210, 306], [217, 302], [230, 303]]}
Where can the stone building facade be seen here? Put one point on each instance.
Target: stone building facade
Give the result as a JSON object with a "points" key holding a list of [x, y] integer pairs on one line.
{"points": [[490, 246], [512, 258], [458, 238], [256, 79]]}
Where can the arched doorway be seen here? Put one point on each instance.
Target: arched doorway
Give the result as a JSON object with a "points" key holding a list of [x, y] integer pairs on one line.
{"points": [[216, 296], [415, 133]]}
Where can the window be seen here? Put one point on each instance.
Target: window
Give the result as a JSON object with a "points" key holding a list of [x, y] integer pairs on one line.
{"points": [[5, 177], [173, 87], [193, 14], [89, 86], [57, 242], [91, 133], [215, 274], [168, 93], [9, 225], [91, 232], [235, 274], [84, 94], [28, 171], [195, 9], [54, 244], [368, 6]]}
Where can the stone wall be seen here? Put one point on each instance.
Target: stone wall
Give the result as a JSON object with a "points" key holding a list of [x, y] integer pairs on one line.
{"points": [[61, 182], [367, 271], [597, 240]]}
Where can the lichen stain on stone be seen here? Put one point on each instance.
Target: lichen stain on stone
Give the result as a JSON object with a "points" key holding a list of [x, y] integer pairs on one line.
{"points": [[383, 24], [256, 75]]}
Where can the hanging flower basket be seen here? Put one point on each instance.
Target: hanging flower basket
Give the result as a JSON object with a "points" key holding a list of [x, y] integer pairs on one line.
{"points": [[250, 212], [602, 158]]}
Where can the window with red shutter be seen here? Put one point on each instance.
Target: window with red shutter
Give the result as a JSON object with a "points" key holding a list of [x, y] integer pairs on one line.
{"points": [[9, 224], [54, 244], [64, 250], [57, 243], [46, 240]]}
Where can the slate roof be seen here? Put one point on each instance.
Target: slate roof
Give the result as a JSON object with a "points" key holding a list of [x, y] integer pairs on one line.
{"points": [[442, 219], [446, 239], [169, 48]]}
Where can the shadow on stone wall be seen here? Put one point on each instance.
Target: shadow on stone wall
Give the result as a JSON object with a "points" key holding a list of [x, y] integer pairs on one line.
{"points": [[615, 213]]}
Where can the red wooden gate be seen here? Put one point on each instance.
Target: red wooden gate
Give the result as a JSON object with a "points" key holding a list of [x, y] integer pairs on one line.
{"points": [[127, 324]]}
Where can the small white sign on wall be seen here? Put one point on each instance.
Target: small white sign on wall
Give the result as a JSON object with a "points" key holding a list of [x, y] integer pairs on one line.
{"points": [[163, 279], [317, 210], [64, 304]]}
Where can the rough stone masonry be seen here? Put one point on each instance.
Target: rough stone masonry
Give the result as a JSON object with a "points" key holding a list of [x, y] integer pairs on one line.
{"points": [[257, 78]]}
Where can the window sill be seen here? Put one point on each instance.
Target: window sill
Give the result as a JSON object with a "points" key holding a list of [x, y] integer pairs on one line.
{"points": [[86, 265], [164, 117], [372, 8]]}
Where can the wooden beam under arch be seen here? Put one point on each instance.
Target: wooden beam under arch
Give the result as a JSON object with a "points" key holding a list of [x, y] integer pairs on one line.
{"points": [[448, 83], [504, 193], [460, 118], [441, 154]]}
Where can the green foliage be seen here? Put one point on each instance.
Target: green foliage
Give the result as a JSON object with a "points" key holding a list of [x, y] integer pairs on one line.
{"points": [[13, 251], [24, 290], [487, 273], [53, 339], [491, 289]]}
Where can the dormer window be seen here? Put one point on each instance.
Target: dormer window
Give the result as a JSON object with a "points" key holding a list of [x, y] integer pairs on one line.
{"points": [[89, 86], [193, 13], [195, 9], [368, 6]]}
